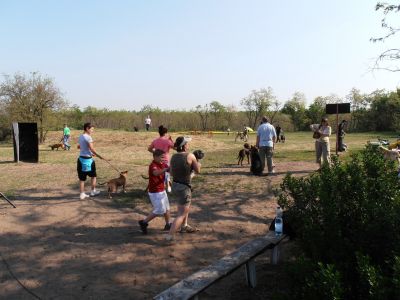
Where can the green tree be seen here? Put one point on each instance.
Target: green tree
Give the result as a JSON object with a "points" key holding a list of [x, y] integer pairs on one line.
{"points": [[316, 110], [257, 104], [204, 114], [296, 108], [32, 98], [217, 110]]}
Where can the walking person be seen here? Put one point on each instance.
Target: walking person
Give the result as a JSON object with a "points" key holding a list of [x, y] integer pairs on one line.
{"points": [[323, 152], [147, 123], [163, 143], [66, 137], [157, 194], [278, 133], [86, 165], [182, 165], [266, 138]]}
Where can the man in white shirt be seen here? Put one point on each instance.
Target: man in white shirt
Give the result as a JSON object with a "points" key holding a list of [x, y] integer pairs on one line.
{"points": [[147, 122], [266, 137]]}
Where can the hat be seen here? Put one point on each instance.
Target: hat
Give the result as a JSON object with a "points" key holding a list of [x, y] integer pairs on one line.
{"points": [[182, 140]]}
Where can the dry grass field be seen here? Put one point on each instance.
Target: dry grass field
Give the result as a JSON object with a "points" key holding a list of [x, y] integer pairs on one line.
{"points": [[60, 247]]}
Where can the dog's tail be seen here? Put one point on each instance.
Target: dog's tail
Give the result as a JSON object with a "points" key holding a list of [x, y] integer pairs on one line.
{"points": [[144, 176], [103, 183]]}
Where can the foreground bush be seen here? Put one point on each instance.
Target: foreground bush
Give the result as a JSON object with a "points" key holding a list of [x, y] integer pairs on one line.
{"points": [[347, 224]]}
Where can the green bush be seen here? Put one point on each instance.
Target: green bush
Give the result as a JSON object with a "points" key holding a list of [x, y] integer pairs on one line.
{"points": [[347, 224]]}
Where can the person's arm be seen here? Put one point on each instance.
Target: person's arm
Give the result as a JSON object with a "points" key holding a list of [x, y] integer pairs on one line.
{"points": [[94, 151], [151, 148], [196, 165], [157, 172]]}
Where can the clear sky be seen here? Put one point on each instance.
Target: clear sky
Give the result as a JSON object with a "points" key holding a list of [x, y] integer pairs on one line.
{"points": [[179, 54]]}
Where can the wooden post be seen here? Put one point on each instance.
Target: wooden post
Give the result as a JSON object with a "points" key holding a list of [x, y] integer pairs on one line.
{"points": [[251, 278], [275, 254]]}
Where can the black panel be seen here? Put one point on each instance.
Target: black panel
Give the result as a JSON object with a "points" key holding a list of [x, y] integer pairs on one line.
{"points": [[26, 142], [341, 108]]}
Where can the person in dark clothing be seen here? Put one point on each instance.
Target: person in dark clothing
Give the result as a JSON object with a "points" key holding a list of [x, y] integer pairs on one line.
{"points": [[341, 145], [278, 133]]}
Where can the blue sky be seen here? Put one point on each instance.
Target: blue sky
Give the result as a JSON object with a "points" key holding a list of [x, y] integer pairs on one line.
{"points": [[178, 54]]}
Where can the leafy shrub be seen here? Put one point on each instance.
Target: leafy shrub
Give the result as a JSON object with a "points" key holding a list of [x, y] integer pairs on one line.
{"points": [[347, 221]]}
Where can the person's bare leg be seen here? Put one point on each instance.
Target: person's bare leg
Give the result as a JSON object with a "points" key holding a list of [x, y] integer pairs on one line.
{"points": [[93, 183], [182, 212], [167, 217], [150, 217], [82, 186]]}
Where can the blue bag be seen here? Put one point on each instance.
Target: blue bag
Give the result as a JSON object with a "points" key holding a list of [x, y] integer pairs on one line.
{"points": [[86, 164]]}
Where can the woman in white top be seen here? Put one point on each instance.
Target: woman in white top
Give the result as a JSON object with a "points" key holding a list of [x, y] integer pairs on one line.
{"points": [[323, 146]]}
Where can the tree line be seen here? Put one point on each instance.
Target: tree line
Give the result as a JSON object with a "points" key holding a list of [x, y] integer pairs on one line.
{"points": [[35, 98]]}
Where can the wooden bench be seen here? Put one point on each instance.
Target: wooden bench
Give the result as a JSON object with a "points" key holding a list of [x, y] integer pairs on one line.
{"points": [[191, 286]]}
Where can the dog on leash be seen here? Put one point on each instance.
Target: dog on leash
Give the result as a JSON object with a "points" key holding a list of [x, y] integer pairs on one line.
{"points": [[245, 152], [113, 184], [56, 146], [256, 165]]}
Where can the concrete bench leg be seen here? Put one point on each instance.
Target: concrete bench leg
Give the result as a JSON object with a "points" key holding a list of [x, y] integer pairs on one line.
{"points": [[251, 278], [275, 255]]}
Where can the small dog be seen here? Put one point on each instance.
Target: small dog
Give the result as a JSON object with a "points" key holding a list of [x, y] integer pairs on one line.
{"points": [[283, 138], [256, 165], [245, 152], [390, 154], [113, 184], [199, 154], [56, 146]]}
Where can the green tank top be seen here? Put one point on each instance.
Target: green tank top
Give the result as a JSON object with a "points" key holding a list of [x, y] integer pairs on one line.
{"points": [[180, 169]]}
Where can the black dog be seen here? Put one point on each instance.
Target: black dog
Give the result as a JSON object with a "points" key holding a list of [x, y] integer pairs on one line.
{"points": [[243, 153], [199, 154], [256, 165], [283, 138]]}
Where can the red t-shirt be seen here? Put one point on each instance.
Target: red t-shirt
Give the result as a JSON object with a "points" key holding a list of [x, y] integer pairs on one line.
{"points": [[156, 183]]}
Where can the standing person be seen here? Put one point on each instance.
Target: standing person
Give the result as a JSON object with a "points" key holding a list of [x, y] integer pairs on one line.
{"points": [[147, 122], [182, 165], [157, 194], [278, 133], [323, 151], [163, 143], [341, 145], [66, 137], [86, 165], [266, 137]]}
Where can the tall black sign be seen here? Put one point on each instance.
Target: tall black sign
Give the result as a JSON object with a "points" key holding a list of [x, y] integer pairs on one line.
{"points": [[26, 143]]}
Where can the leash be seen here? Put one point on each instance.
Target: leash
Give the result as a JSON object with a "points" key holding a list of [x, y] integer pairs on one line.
{"points": [[2, 195], [116, 169]]}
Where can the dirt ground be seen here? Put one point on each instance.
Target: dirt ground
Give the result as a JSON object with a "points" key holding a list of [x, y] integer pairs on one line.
{"points": [[60, 247], [64, 248]]}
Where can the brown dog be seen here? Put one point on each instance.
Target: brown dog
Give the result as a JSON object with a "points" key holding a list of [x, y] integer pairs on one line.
{"points": [[245, 152], [113, 184], [56, 146]]}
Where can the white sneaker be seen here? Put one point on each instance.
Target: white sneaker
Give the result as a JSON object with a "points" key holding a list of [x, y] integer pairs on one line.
{"points": [[83, 196], [94, 193]]}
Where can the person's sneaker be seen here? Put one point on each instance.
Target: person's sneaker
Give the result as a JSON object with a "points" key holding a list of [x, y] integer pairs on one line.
{"points": [[167, 227], [83, 196], [143, 226], [94, 193], [187, 229]]}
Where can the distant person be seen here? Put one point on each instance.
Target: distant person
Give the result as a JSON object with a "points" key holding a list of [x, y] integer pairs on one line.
{"points": [[182, 165], [147, 123], [163, 143], [323, 146], [341, 145], [86, 165], [157, 194], [66, 137], [278, 133], [266, 137]]}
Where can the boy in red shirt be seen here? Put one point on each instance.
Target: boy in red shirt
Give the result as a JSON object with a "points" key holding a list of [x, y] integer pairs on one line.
{"points": [[157, 194]]}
